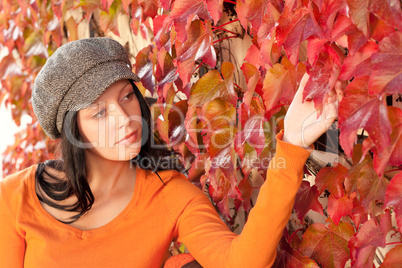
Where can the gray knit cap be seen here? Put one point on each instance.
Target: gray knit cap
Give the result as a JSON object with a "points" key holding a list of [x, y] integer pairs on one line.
{"points": [[75, 76]]}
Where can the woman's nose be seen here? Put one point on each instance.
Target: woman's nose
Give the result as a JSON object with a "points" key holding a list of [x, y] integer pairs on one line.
{"points": [[119, 115]]}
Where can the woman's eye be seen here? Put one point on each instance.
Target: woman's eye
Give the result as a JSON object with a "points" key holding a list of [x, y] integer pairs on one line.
{"points": [[129, 96], [100, 114]]}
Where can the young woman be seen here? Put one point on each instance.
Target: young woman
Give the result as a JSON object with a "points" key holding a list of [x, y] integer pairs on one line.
{"points": [[109, 202]]}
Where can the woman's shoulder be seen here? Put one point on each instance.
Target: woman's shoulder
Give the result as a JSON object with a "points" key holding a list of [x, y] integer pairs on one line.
{"points": [[15, 188], [18, 179]]}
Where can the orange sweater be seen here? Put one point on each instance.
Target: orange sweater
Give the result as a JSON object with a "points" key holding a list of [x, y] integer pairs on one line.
{"points": [[140, 236]]}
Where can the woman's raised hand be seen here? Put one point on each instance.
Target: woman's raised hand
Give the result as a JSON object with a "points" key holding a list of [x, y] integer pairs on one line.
{"points": [[302, 127]]}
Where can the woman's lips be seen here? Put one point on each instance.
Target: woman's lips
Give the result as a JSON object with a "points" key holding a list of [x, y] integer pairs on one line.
{"points": [[130, 138]]}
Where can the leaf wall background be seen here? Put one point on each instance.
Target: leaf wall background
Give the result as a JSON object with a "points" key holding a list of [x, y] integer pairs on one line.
{"points": [[232, 68]]}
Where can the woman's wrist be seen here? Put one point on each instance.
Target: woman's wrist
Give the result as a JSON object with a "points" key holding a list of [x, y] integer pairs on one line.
{"points": [[296, 139]]}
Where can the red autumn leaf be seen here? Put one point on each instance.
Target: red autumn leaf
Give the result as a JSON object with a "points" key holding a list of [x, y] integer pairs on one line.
{"points": [[359, 170], [270, 51], [279, 88], [166, 4], [215, 8], [176, 117], [370, 236], [253, 84], [255, 108], [108, 20], [358, 10], [89, 7], [144, 67], [290, 258], [182, 11], [165, 70], [388, 11], [193, 127], [212, 86], [392, 155], [372, 189], [9, 67], [268, 22], [359, 61], [222, 153], [341, 27], [328, 245], [306, 199], [251, 11], [359, 110], [379, 29], [248, 155], [359, 214], [355, 40], [246, 145], [253, 133], [330, 19], [253, 56], [150, 7], [106, 4], [393, 259], [369, 186], [393, 197], [323, 75], [187, 158], [197, 168], [216, 114], [363, 179], [314, 46], [165, 103], [387, 75], [339, 207], [223, 188], [162, 27], [218, 133], [220, 190], [197, 46], [293, 28], [331, 179], [246, 189]]}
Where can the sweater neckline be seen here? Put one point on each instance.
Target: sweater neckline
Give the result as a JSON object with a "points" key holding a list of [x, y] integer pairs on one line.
{"points": [[84, 234]]}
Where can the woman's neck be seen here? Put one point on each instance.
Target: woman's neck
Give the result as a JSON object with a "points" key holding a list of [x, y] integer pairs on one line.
{"points": [[105, 176]]}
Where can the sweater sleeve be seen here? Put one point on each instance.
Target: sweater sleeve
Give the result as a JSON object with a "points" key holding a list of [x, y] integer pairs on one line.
{"points": [[211, 242], [12, 244]]}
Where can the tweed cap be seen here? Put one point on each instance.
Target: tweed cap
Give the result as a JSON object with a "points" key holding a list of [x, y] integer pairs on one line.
{"points": [[75, 76]]}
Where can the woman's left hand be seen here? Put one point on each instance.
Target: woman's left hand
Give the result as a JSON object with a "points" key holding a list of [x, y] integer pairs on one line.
{"points": [[301, 125]]}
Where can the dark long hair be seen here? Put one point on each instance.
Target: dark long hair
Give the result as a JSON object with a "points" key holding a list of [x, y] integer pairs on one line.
{"points": [[73, 165]]}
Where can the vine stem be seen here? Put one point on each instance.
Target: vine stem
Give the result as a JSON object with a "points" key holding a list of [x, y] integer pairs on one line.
{"points": [[225, 38], [393, 243], [229, 22], [223, 29], [238, 86], [230, 2], [396, 169], [293, 234], [198, 67]]}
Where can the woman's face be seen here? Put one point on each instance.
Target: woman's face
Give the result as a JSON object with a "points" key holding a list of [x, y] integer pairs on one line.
{"points": [[113, 123]]}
